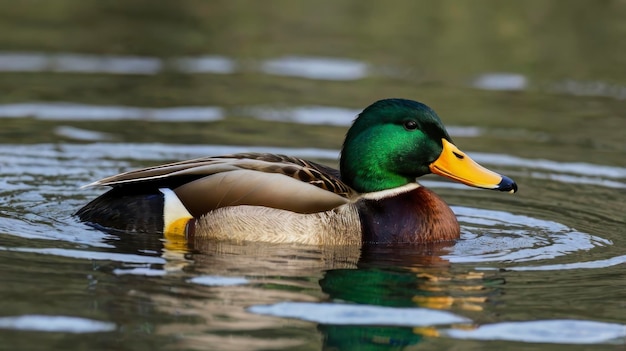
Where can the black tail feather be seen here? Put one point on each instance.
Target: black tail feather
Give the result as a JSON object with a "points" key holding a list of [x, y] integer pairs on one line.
{"points": [[126, 210]]}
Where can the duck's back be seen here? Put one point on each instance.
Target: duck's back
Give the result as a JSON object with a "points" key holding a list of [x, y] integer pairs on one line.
{"points": [[202, 185]]}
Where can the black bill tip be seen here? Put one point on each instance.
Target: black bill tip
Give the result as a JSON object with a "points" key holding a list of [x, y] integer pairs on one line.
{"points": [[507, 184]]}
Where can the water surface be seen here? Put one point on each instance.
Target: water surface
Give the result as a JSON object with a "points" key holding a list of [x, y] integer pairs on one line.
{"points": [[533, 90]]}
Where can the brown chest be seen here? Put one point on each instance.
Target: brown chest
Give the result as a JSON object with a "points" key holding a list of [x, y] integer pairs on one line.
{"points": [[416, 216]]}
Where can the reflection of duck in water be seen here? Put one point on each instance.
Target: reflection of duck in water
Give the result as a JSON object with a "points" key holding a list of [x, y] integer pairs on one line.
{"points": [[401, 277], [371, 275], [392, 275], [274, 198]]}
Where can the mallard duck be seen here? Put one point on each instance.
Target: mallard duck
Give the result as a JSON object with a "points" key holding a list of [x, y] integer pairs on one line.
{"points": [[373, 198]]}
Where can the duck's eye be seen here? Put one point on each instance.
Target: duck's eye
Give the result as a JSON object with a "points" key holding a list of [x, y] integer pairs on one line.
{"points": [[410, 125]]}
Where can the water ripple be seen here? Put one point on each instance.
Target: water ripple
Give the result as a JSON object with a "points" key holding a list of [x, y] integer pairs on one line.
{"points": [[498, 236], [609, 262], [579, 168], [90, 255]]}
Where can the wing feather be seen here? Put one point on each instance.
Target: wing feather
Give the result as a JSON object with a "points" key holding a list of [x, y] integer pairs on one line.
{"points": [[259, 179]]}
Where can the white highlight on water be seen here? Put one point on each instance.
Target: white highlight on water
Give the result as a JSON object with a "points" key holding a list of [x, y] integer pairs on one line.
{"points": [[67, 111], [214, 280], [348, 314], [501, 81], [324, 68], [56, 324], [559, 331]]}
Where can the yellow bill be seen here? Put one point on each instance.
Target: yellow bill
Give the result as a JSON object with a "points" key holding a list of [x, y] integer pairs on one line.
{"points": [[456, 165]]}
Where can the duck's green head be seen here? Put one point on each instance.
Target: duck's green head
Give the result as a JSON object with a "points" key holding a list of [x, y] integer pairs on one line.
{"points": [[394, 141]]}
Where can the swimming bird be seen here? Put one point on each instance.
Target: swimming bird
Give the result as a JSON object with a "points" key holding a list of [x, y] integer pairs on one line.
{"points": [[374, 197]]}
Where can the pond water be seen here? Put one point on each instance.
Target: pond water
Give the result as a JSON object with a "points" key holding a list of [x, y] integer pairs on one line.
{"points": [[534, 90]]}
